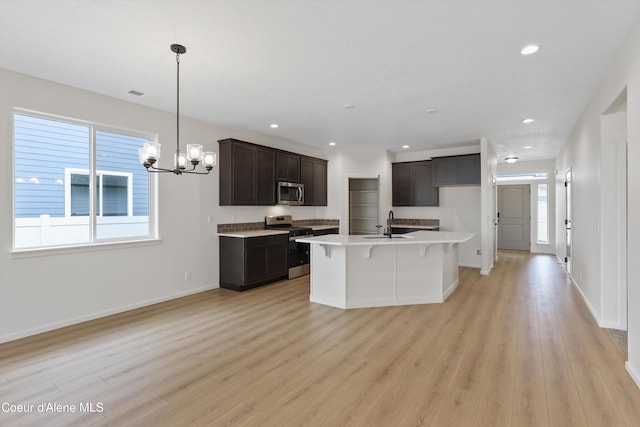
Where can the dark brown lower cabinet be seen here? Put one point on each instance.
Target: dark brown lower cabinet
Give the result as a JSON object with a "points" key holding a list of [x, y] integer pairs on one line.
{"points": [[249, 262]]}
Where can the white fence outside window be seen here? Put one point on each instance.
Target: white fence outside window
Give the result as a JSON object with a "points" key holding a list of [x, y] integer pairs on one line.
{"points": [[60, 231]]}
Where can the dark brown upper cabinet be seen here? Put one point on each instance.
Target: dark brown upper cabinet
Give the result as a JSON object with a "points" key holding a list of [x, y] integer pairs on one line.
{"points": [[457, 170], [313, 174], [412, 184], [287, 167], [247, 173]]}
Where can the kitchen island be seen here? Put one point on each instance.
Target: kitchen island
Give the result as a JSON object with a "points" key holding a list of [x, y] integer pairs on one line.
{"points": [[374, 271]]}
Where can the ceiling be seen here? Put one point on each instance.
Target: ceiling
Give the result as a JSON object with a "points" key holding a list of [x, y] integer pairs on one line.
{"points": [[252, 63]]}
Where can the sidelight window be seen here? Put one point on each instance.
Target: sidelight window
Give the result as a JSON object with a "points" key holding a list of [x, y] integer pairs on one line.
{"points": [[543, 213]]}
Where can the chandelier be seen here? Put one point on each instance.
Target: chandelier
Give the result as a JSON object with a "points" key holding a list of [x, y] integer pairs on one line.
{"points": [[150, 153]]}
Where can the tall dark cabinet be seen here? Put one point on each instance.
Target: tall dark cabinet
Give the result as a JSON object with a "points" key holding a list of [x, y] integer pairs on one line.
{"points": [[412, 184], [247, 173], [313, 174]]}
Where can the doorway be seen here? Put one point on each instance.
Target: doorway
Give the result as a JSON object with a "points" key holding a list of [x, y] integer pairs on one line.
{"points": [[514, 217], [363, 205]]}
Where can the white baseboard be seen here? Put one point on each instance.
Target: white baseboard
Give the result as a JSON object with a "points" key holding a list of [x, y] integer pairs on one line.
{"points": [[105, 313], [586, 301], [486, 272], [469, 265], [612, 325], [332, 302], [633, 373], [450, 290]]}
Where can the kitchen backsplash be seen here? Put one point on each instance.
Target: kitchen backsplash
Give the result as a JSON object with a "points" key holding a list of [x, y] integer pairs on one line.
{"points": [[248, 226], [310, 222], [416, 221]]}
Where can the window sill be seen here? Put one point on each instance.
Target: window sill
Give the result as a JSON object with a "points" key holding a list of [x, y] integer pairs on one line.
{"points": [[83, 248]]}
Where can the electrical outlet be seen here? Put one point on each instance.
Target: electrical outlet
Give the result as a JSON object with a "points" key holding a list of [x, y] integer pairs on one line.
{"points": [[187, 276]]}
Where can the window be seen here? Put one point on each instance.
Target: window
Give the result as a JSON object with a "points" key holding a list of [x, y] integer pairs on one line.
{"points": [[527, 176], [543, 213], [55, 203], [113, 192]]}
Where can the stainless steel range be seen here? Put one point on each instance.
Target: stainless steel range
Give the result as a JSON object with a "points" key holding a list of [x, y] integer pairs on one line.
{"points": [[299, 257]]}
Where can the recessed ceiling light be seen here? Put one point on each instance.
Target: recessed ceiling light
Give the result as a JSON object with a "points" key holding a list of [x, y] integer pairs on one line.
{"points": [[135, 92], [530, 49], [274, 126], [431, 111], [528, 121], [348, 106], [405, 146], [528, 146], [511, 159], [332, 144]]}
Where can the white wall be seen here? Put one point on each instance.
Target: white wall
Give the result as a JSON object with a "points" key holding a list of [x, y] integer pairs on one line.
{"points": [[349, 163], [408, 156], [547, 166], [582, 153], [613, 225], [57, 288], [489, 197]]}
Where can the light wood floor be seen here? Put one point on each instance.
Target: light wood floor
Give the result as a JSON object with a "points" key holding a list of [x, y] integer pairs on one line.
{"points": [[516, 348]]}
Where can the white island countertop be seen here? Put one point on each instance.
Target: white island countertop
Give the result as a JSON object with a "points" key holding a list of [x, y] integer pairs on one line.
{"points": [[373, 271], [416, 237]]}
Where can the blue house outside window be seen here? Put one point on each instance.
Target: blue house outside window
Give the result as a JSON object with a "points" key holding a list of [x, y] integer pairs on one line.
{"points": [[52, 172]]}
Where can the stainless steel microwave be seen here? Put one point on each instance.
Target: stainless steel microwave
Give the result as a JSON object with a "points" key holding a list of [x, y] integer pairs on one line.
{"points": [[290, 193]]}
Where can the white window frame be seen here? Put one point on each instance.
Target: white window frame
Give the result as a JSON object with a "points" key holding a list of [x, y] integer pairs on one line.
{"points": [[537, 186], [99, 175], [153, 234]]}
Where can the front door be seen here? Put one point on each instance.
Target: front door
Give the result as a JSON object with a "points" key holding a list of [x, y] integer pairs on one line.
{"points": [[514, 217]]}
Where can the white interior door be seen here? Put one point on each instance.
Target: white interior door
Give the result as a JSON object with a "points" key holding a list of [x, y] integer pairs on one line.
{"points": [[514, 217], [622, 231], [567, 221]]}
